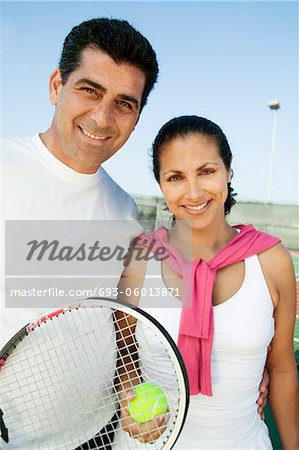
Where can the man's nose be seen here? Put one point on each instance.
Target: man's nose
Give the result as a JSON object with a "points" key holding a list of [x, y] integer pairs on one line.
{"points": [[103, 114]]}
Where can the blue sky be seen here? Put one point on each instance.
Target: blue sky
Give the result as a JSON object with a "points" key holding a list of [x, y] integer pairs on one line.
{"points": [[221, 60]]}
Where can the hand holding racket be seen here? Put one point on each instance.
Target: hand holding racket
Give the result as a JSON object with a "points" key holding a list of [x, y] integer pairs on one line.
{"points": [[60, 379]]}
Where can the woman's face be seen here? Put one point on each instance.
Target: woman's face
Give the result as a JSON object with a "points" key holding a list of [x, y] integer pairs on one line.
{"points": [[193, 179]]}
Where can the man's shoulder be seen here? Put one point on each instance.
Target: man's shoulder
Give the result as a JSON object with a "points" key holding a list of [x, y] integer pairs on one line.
{"points": [[113, 187], [17, 146], [117, 195], [17, 141]]}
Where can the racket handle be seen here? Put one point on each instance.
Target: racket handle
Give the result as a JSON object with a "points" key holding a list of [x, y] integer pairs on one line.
{"points": [[3, 429]]}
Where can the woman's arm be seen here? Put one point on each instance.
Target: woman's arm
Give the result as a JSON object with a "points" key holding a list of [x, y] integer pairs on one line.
{"points": [[132, 278], [283, 389], [128, 370]]}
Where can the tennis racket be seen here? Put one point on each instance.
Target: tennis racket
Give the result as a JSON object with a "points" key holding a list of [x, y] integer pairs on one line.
{"points": [[64, 379]]}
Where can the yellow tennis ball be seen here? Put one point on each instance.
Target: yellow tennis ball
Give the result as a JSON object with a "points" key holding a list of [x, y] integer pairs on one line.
{"points": [[149, 401]]}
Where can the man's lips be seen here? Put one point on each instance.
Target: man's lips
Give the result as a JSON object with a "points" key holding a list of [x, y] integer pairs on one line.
{"points": [[95, 137]]}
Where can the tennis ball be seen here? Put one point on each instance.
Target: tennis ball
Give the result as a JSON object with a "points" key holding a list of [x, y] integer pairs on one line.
{"points": [[149, 401]]}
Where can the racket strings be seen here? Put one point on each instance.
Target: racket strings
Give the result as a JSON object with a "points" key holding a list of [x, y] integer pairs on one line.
{"points": [[131, 345], [129, 361], [54, 359], [60, 387]]}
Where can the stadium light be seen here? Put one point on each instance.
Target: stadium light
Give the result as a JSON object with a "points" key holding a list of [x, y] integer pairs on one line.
{"points": [[274, 105]]}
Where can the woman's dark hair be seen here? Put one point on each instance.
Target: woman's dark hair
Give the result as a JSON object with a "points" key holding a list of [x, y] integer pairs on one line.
{"points": [[119, 40], [186, 125]]}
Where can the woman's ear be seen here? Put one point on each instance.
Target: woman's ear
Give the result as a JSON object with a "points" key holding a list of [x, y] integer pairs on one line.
{"points": [[230, 173]]}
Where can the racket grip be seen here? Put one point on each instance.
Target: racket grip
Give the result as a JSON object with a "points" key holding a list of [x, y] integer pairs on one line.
{"points": [[3, 429]]}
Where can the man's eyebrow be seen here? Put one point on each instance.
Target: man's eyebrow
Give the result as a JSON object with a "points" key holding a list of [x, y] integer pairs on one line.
{"points": [[92, 83]]}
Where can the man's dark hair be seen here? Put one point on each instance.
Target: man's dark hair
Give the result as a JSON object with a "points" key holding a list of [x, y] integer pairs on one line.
{"points": [[119, 40]]}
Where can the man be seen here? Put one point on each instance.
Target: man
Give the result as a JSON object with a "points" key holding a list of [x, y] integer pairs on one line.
{"points": [[106, 72]]}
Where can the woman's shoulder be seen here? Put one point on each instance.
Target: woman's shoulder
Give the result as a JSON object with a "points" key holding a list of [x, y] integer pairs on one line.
{"points": [[132, 278], [144, 248], [277, 257], [277, 266], [136, 259]]}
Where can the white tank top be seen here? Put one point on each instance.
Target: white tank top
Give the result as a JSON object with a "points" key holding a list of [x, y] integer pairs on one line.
{"points": [[244, 327]]}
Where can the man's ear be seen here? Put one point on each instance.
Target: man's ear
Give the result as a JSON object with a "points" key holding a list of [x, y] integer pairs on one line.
{"points": [[55, 86]]}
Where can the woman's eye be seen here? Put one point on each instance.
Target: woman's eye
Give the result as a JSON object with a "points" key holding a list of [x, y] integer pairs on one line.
{"points": [[207, 171], [174, 178]]}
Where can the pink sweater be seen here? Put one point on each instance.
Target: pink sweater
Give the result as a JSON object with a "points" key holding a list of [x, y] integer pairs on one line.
{"points": [[196, 324]]}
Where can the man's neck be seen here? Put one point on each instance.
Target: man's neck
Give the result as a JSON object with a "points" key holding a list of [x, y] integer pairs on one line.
{"points": [[50, 141]]}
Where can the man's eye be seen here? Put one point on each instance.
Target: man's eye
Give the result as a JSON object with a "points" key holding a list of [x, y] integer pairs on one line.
{"points": [[89, 90], [125, 104]]}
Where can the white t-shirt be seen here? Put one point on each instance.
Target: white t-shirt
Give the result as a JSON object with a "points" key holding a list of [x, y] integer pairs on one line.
{"points": [[37, 186]]}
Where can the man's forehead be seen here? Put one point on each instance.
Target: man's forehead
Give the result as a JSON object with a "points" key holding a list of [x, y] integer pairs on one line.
{"points": [[94, 56], [99, 70]]}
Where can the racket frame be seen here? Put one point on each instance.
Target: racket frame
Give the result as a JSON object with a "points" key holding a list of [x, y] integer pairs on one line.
{"points": [[126, 308]]}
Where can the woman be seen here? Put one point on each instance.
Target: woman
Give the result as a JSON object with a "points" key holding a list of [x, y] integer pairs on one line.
{"points": [[241, 297]]}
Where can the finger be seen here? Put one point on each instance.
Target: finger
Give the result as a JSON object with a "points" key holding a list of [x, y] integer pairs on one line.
{"points": [[260, 410], [133, 430], [149, 437], [125, 424], [266, 392], [262, 388], [264, 403], [265, 380], [157, 423], [166, 416], [151, 431], [125, 412], [262, 399], [145, 432], [162, 421], [128, 394]]}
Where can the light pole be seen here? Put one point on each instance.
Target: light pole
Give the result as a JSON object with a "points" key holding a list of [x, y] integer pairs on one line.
{"points": [[274, 105]]}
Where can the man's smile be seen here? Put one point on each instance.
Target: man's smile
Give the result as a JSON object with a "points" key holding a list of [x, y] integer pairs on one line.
{"points": [[93, 136]]}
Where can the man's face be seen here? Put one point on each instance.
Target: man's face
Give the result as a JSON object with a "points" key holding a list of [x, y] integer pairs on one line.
{"points": [[96, 110]]}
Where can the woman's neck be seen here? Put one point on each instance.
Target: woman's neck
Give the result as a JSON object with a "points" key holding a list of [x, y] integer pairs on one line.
{"points": [[202, 243]]}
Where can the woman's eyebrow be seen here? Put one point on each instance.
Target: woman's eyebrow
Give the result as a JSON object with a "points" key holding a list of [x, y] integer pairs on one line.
{"points": [[199, 168]]}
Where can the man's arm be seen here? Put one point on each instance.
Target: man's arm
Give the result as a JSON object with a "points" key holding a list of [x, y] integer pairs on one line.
{"points": [[262, 398], [283, 387]]}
